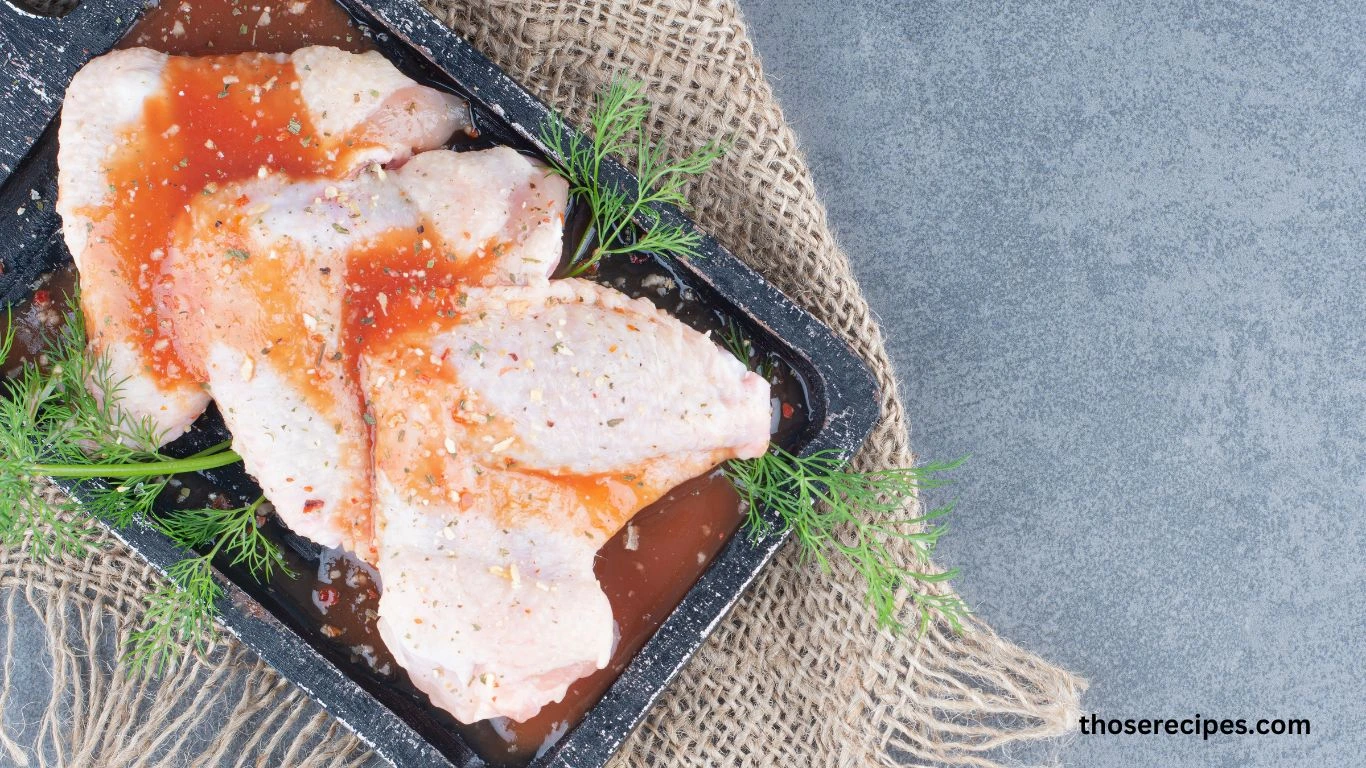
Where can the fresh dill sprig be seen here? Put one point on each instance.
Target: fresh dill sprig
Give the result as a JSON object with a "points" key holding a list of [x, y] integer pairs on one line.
{"points": [[51, 425], [179, 616], [234, 530], [180, 613], [833, 510], [617, 124], [737, 343]]}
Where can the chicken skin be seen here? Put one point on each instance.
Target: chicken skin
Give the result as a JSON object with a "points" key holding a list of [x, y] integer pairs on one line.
{"points": [[271, 285]]}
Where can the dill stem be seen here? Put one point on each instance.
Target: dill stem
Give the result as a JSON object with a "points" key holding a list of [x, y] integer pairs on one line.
{"points": [[213, 449], [607, 246], [139, 469], [220, 539], [585, 255]]}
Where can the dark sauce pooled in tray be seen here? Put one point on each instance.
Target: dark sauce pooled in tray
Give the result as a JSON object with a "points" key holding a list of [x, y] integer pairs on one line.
{"points": [[645, 569]]}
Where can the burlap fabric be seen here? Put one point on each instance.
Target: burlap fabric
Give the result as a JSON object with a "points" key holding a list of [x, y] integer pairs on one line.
{"points": [[798, 675]]}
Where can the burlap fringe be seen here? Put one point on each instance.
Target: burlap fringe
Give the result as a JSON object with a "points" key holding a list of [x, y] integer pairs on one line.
{"points": [[64, 622], [797, 676]]}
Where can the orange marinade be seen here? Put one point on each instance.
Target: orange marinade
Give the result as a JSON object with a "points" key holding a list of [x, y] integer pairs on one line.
{"points": [[215, 120]]}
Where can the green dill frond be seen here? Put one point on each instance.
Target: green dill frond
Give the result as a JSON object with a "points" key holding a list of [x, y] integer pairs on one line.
{"points": [[625, 222], [52, 425], [46, 528], [735, 341], [235, 531], [179, 617], [124, 502], [832, 510]]}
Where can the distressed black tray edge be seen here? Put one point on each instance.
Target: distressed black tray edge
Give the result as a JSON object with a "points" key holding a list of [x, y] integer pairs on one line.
{"points": [[839, 381], [290, 655]]}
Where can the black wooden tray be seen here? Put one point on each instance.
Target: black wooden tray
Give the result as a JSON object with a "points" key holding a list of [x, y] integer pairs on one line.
{"points": [[41, 54]]}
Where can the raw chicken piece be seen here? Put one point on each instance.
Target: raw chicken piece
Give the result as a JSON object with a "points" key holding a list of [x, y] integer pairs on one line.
{"points": [[105, 100], [254, 286], [272, 285], [495, 208], [229, 247], [368, 110], [143, 133], [508, 447]]}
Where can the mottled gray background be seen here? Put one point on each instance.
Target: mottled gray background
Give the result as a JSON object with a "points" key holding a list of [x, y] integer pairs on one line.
{"points": [[1117, 249]]}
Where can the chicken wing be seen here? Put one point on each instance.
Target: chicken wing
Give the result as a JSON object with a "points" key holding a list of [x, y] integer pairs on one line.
{"points": [[508, 447]]}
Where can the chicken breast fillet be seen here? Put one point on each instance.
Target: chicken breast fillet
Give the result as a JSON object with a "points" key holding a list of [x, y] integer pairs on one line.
{"points": [[271, 286], [142, 133], [509, 447]]}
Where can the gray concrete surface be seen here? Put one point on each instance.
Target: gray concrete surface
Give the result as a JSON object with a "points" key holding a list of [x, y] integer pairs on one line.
{"points": [[1118, 250]]}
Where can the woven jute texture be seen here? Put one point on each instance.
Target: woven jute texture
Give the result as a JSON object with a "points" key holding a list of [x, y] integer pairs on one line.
{"points": [[796, 676]]}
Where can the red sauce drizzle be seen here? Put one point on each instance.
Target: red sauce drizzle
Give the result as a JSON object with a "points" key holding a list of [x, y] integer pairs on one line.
{"points": [[405, 282], [202, 27], [215, 121]]}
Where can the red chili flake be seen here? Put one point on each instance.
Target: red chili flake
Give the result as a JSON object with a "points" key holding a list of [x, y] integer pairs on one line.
{"points": [[788, 410], [637, 258], [327, 597], [41, 297], [313, 505]]}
